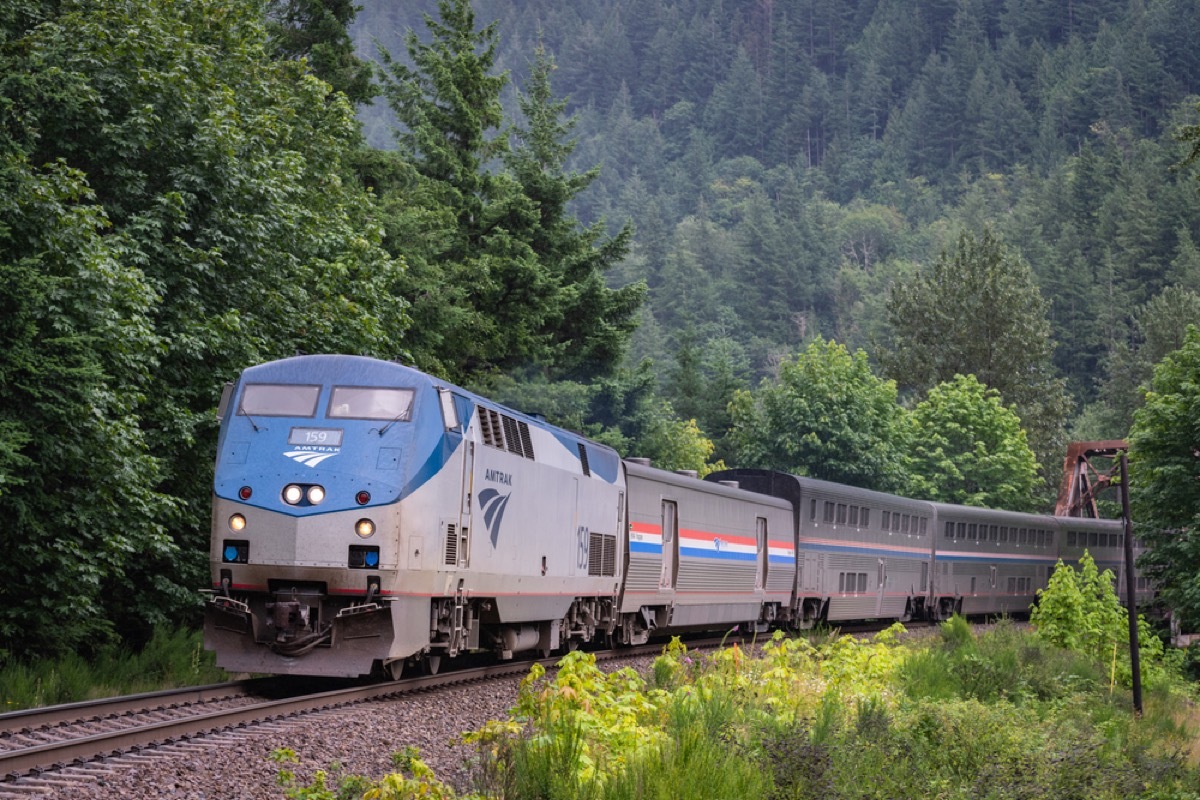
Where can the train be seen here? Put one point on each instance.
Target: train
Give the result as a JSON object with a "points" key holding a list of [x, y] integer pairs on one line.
{"points": [[369, 518]]}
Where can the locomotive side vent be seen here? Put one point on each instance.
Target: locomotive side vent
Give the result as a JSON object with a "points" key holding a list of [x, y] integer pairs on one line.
{"points": [[505, 433], [602, 554], [512, 436], [489, 424], [526, 440], [452, 545]]}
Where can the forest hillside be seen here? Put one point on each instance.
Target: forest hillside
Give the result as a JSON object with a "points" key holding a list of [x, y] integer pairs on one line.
{"points": [[784, 163]]}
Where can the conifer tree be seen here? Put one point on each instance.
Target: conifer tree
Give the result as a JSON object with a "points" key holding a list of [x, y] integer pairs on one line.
{"points": [[499, 275], [592, 323], [1158, 328], [466, 277], [319, 31], [977, 311]]}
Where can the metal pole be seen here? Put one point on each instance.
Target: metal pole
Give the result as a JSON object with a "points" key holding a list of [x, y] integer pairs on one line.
{"points": [[1135, 660]]}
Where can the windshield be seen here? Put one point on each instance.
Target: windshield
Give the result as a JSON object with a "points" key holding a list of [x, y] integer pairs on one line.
{"points": [[279, 400], [357, 402]]}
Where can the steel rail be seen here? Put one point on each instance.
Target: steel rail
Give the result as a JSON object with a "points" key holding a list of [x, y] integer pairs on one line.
{"points": [[45, 716], [19, 763], [34, 760]]}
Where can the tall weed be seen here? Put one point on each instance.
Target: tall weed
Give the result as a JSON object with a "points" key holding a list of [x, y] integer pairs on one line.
{"points": [[1003, 715], [700, 759], [170, 659], [1002, 664]]}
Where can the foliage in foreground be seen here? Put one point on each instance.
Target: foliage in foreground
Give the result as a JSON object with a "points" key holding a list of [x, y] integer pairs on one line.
{"points": [[1164, 472], [1079, 611], [173, 207], [169, 659], [1004, 714]]}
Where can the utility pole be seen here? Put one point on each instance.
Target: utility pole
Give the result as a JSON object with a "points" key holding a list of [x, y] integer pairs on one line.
{"points": [[1135, 659]]}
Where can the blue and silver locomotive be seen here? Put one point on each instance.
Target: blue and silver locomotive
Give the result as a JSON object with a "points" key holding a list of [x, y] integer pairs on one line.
{"points": [[367, 516]]}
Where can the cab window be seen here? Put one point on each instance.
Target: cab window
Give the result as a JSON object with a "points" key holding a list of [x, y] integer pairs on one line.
{"points": [[365, 402], [279, 400]]}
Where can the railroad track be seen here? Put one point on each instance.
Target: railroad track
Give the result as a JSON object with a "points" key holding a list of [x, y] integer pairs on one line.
{"points": [[48, 747], [42, 747], [55, 738]]}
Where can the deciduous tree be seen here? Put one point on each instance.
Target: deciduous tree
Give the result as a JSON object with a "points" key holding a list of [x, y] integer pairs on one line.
{"points": [[1079, 610], [1164, 474], [967, 448], [175, 209], [827, 416], [77, 478], [977, 311]]}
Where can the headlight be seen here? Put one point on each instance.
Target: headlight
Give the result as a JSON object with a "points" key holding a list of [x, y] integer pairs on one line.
{"points": [[292, 494], [364, 528], [237, 522], [315, 494]]}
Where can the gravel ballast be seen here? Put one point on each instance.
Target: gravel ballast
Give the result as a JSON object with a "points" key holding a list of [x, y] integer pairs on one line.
{"points": [[361, 738]]}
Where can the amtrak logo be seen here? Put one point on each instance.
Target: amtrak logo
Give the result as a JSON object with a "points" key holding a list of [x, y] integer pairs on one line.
{"points": [[493, 504], [309, 458]]}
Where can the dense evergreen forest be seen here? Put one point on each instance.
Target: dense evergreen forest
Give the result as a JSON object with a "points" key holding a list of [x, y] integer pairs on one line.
{"points": [[911, 246], [784, 163]]}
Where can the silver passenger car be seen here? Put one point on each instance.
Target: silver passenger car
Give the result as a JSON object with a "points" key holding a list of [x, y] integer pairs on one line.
{"points": [[861, 554], [703, 555]]}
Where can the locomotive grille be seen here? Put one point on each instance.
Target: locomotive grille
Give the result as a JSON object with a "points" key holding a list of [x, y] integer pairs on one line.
{"points": [[602, 554], [505, 433], [512, 436], [452, 545], [489, 424], [526, 440]]}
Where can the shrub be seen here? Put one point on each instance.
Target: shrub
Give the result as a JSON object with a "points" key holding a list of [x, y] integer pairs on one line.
{"points": [[1079, 611], [1004, 716]]}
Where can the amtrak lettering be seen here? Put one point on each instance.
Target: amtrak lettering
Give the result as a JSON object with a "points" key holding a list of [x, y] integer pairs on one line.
{"points": [[498, 477]]}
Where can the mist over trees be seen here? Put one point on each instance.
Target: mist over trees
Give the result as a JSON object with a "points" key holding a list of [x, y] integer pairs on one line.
{"points": [[795, 170], [784, 164]]}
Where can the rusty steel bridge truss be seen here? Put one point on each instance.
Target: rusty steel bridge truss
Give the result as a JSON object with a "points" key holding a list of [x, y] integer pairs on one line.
{"points": [[1089, 469]]}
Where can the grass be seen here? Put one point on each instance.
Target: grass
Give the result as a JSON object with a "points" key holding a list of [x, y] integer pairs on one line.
{"points": [[1002, 715], [1005, 664], [999, 715], [170, 659]]}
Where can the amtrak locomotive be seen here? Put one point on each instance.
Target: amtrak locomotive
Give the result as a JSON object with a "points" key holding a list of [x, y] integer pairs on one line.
{"points": [[367, 516]]}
